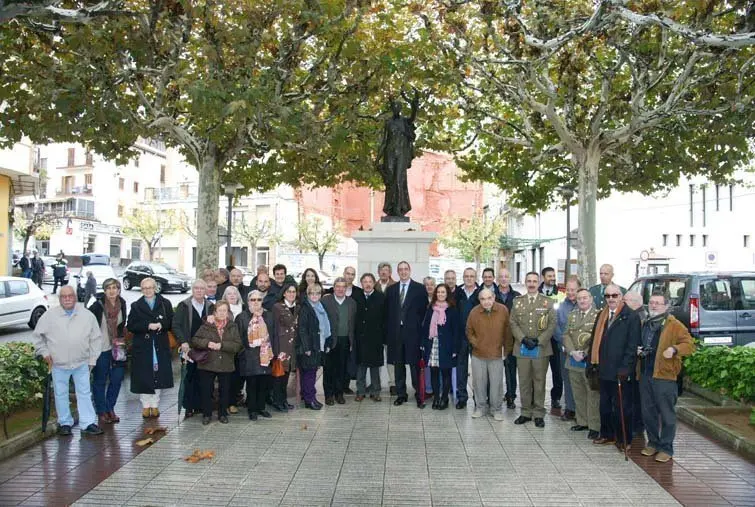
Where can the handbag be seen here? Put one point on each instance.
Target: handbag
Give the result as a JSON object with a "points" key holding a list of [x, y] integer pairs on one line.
{"points": [[277, 368], [172, 342], [592, 372], [199, 356], [118, 350]]}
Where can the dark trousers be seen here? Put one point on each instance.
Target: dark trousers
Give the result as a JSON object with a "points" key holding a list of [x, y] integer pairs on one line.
{"points": [[192, 391], [556, 360], [237, 384], [279, 387], [638, 426], [58, 282], [610, 421], [462, 373], [207, 386], [334, 368], [37, 277], [658, 401], [435, 376], [257, 387], [509, 366]]}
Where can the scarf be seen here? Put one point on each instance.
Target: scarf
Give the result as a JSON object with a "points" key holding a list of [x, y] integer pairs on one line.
{"points": [[220, 326], [322, 319], [112, 314], [438, 318], [600, 330], [652, 328], [257, 330]]}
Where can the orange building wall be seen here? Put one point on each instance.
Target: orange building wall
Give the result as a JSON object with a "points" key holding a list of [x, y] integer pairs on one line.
{"points": [[435, 190]]}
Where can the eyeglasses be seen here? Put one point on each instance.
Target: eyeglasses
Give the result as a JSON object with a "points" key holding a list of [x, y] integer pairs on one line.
{"points": [[255, 299], [612, 295], [314, 293]]}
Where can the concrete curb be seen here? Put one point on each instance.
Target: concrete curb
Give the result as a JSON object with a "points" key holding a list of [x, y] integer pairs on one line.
{"points": [[717, 431], [24, 440], [711, 396]]}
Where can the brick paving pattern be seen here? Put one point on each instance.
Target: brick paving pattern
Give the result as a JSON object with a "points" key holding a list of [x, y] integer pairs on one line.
{"points": [[366, 454]]}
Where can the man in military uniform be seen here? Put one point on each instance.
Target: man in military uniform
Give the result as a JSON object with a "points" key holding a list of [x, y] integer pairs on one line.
{"points": [[577, 342], [533, 321]]}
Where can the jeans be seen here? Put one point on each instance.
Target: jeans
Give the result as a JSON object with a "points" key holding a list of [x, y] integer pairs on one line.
{"points": [[658, 402], [488, 372], [26, 273], [58, 282], [374, 380], [60, 378], [104, 400], [334, 373], [610, 419], [556, 361], [462, 373], [509, 365], [207, 385], [257, 387], [308, 379]]}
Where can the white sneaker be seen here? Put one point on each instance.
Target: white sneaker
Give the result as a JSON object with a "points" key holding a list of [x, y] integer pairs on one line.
{"points": [[498, 416], [477, 413]]}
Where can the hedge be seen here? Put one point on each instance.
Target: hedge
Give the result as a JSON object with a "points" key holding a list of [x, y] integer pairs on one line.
{"points": [[22, 377], [730, 371]]}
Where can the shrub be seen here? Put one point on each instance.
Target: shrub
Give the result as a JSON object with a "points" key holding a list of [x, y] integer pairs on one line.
{"points": [[730, 371], [22, 378]]}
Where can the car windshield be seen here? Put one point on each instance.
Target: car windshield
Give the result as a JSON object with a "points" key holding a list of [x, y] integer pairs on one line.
{"points": [[163, 269]]}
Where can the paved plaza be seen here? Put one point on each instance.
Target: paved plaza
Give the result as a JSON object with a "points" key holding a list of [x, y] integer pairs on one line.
{"points": [[365, 454]]}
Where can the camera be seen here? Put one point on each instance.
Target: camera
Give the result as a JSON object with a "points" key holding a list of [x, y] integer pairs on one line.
{"points": [[646, 351]]}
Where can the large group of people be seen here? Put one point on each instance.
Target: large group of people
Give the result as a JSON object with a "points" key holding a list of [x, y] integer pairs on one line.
{"points": [[609, 358]]}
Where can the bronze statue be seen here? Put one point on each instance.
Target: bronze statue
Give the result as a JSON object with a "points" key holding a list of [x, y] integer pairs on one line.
{"points": [[395, 157]]}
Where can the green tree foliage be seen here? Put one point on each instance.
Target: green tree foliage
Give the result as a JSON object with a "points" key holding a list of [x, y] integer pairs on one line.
{"points": [[476, 239], [602, 97], [21, 378], [313, 235], [150, 226]]}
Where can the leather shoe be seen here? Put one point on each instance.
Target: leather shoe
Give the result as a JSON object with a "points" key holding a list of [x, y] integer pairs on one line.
{"points": [[377, 398], [510, 403], [359, 397], [436, 404], [568, 415], [223, 419], [339, 399], [252, 416], [265, 414], [64, 431], [555, 404], [420, 403], [577, 427], [521, 420], [329, 400], [347, 390], [114, 418], [400, 400], [539, 422], [312, 406], [461, 405], [393, 390], [443, 404], [592, 435], [604, 441], [205, 421], [288, 406]]}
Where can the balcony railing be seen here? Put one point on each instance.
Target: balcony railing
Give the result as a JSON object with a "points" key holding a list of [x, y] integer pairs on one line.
{"points": [[178, 193], [82, 190]]}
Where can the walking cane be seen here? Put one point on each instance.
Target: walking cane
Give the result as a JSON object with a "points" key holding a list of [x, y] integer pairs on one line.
{"points": [[621, 414]]}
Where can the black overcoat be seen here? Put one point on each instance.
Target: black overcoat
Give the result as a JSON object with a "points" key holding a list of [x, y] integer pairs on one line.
{"points": [[308, 338], [370, 330], [618, 347], [249, 357], [144, 380]]}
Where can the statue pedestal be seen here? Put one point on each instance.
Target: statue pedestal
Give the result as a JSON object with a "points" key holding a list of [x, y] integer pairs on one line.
{"points": [[394, 242]]}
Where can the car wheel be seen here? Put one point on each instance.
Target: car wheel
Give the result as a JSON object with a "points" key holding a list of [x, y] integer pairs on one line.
{"points": [[35, 316], [158, 287], [126, 283]]}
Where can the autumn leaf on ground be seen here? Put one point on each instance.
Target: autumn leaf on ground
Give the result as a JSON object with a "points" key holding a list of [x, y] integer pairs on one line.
{"points": [[304, 427], [153, 431], [198, 455], [146, 441]]}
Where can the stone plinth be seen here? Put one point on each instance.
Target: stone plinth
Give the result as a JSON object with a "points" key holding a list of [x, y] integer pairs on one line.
{"points": [[394, 242]]}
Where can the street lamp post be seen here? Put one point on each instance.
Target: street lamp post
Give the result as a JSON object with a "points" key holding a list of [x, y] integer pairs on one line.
{"points": [[568, 193], [230, 191]]}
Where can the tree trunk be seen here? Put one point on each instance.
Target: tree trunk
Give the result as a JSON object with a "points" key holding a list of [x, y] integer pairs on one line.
{"points": [[321, 258], [150, 250], [253, 261], [26, 243], [207, 213], [588, 168]]}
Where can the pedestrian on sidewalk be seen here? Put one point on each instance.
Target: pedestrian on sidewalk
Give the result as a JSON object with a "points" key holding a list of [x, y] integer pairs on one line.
{"points": [[110, 312], [37, 269], [614, 350], [312, 339], [665, 341], [369, 337], [533, 321], [577, 343], [59, 271], [220, 338], [90, 288], [441, 342], [257, 330], [489, 334], [149, 320], [25, 265], [285, 324], [69, 340]]}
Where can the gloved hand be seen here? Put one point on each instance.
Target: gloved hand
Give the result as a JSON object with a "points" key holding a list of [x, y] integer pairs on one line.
{"points": [[529, 343]]}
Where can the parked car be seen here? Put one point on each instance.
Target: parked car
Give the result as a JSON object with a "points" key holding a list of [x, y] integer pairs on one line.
{"points": [[49, 278], [166, 278], [101, 273], [95, 258], [248, 274], [717, 308], [21, 302]]}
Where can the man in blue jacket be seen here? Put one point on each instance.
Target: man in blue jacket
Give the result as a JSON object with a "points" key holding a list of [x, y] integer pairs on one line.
{"points": [[466, 299], [562, 320]]}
